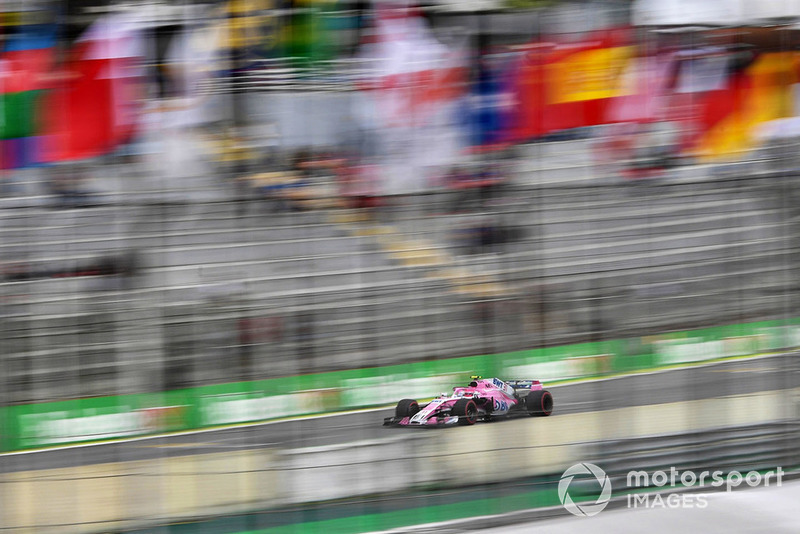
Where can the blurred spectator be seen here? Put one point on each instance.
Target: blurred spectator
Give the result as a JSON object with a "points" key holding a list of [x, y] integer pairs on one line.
{"points": [[305, 337], [484, 236], [475, 188], [119, 271], [296, 187], [360, 186], [123, 266], [545, 309], [255, 331], [639, 150], [303, 163], [16, 271], [70, 187]]}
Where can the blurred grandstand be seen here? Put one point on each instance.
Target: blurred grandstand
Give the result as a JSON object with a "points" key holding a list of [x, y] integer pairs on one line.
{"points": [[332, 289], [552, 252]]}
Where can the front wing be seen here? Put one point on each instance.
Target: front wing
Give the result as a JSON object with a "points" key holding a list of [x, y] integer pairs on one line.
{"points": [[433, 421]]}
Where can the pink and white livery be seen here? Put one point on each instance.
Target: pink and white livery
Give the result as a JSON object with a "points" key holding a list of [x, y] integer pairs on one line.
{"points": [[482, 400]]}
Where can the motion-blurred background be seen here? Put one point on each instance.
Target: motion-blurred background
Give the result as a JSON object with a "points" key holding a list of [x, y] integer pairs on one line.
{"points": [[255, 224]]}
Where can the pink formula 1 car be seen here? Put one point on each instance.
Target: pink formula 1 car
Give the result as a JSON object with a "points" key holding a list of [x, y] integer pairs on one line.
{"points": [[482, 399]]}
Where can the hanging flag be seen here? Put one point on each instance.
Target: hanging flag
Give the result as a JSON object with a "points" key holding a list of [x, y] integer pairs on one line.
{"points": [[194, 58], [94, 109], [729, 118], [25, 61], [644, 87], [410, 103], [491, 102], [307, 33], [560, 86]]}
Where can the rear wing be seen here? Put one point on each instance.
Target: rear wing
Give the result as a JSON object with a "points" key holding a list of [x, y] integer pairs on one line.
{"points": [[522, 383]]}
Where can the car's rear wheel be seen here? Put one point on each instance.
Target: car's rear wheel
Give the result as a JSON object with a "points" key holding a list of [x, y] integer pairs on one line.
{"points": [[466, 410], [539, 403], [406, 408]]}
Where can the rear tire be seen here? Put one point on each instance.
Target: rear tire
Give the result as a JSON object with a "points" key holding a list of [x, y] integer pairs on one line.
{"points": [[406, 408], [466, 410], [539, 403]]}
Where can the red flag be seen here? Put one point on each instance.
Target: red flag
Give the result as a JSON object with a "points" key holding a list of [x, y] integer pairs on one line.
{"points": [[93, 109]]}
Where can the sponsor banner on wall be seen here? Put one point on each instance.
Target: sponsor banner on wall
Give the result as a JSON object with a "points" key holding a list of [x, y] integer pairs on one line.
{"points": [[92, 419], [723, 342]]}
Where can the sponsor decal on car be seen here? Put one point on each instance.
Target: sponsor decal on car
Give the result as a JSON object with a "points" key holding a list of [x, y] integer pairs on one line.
{"points": [[500, 406]]}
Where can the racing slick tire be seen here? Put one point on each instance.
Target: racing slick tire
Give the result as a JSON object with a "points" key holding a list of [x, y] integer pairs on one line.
{"points": [[466, 410], [539, 403], [406, 408]]}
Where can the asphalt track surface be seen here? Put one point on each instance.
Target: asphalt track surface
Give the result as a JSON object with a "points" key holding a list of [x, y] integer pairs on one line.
{"points": [[693, 383]]}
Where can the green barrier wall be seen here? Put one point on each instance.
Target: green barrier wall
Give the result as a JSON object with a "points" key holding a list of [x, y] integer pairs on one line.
{"points": [[81, 420]]}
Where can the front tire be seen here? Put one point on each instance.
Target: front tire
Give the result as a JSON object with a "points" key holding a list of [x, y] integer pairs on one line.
{"points": [[406, 408], [539, 403], [466, 410]]}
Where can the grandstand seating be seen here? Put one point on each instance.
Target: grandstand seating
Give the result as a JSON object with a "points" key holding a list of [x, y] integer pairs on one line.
{"points": [[592, 260]]}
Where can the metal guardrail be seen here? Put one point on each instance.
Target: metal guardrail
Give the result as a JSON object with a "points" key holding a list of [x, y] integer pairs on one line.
{"points": [[741, 448]]}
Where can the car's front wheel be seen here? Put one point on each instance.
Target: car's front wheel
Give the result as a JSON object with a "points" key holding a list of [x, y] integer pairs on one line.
{"points": [[539, 403], [466, 410], [406, 408]]}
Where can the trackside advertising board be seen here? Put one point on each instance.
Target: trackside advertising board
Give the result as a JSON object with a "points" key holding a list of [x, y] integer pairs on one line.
{"points": [[82, 420], [51, 423]]}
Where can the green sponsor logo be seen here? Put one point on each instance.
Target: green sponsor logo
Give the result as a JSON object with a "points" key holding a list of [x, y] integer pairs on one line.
{"points": [[59, 426], [242, 407], [63, 427]]}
